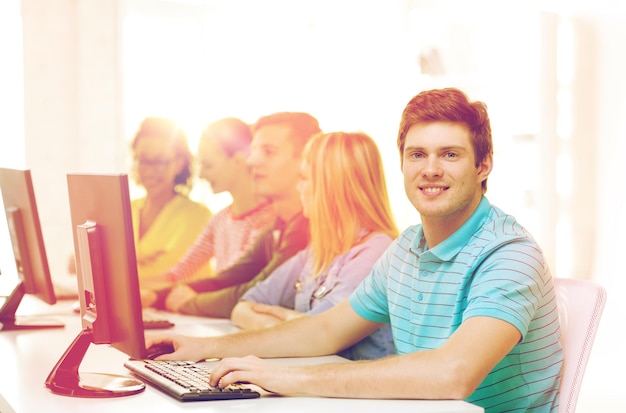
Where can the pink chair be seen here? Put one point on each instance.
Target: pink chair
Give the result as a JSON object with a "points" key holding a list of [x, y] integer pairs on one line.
{"points": [[580, 303]]}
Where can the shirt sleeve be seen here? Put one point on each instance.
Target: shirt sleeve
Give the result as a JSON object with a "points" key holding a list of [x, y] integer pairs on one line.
{"points": [[253, 262], [219, 303], [369, 299], [509, 284]]}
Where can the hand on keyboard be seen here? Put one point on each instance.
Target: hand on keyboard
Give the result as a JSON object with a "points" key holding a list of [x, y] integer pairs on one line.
{"points": [[158, 349], [186, 380]]}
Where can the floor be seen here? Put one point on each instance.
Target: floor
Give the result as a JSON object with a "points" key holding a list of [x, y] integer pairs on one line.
{"points": [[603, 384]]}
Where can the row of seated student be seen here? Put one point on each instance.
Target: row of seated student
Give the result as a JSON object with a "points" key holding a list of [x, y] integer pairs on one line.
{"points": [[435, 291], [166, 221], [222, 158], [331, 186], [467, 292], [176, 238]]}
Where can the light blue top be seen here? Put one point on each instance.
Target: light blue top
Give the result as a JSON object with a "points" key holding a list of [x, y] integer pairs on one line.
{"points": [[489, 267], [292, 286]]}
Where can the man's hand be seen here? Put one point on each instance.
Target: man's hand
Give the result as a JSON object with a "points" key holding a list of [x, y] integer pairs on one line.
{"points": [[272, 377], [178, 296], [185, 348]]}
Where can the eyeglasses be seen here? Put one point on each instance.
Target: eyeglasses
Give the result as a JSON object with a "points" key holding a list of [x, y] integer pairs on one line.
{"points": [[159, 164]]}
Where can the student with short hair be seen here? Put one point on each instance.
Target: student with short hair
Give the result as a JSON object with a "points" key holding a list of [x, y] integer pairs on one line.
{"points": [[344, 196], [468, 293]]}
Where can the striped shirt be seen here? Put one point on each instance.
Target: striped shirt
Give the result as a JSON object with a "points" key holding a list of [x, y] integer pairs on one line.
{"points": [[227, 238], [489, 267]]}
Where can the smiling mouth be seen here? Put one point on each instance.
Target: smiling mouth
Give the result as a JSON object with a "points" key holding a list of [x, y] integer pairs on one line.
{"points": [[433, 190]]}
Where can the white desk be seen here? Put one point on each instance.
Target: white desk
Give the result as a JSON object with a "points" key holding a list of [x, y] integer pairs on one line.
{"points": [[28, 357]]}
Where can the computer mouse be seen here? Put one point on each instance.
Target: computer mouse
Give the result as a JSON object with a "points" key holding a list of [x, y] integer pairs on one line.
{"points": [[158, 349]]}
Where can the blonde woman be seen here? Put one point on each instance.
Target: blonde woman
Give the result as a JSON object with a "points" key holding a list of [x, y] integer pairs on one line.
{"points": [[344, 195]]}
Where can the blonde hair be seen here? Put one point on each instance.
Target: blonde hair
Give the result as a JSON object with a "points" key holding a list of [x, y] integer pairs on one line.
{"points": [[349, 194]]}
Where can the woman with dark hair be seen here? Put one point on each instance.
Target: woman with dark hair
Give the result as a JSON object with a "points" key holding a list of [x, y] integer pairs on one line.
{"points": [[222, 153], [166, 221]]}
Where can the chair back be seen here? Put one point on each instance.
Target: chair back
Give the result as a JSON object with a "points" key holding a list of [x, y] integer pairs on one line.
{"points": [[580, 304]]}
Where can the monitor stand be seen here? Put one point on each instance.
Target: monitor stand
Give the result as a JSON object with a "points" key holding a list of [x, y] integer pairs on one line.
{"points": [[8, 319], [65, 379]]}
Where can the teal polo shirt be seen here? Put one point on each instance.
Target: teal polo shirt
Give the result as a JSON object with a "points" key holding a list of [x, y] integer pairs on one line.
{"points": [[491, 267]]}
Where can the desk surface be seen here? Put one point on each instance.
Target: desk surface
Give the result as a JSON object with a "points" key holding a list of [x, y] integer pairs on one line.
{"points": [[28, 357]]}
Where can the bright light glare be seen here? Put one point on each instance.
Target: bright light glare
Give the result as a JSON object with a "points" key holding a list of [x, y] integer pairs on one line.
{"points": [[11, 85]]}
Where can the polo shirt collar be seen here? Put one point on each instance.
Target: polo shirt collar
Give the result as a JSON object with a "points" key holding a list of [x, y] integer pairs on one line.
{"points": [[450, 247]]}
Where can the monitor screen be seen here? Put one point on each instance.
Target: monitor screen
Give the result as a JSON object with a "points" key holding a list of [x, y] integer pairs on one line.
{"points": [[31, 261], [108, 285]]}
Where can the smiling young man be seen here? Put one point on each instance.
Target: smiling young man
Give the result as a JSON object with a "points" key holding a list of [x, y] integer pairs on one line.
{"points": [[468, 293]]}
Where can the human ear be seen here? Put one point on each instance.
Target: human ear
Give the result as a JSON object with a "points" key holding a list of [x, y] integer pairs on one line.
{"points": [[485, 167]]}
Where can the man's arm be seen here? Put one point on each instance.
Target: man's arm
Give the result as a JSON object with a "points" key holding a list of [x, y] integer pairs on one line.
{"points": [[220, 303], [214, 303], [323, 334], [243, 270], [452, 371]]}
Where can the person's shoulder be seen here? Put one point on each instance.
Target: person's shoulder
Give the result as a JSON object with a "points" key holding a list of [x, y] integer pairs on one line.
{"points": [[379, 238], [138, 202], [501, 229], [501, 223], [372, 245], [409, 234], [193, 207]]}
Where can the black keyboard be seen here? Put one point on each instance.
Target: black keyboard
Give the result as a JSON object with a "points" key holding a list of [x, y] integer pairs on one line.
{"points": [[154, 323], [186, 380]]}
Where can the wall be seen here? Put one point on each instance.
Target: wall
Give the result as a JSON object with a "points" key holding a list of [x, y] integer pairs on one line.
{"points": [[74, 112], [72, 105], [608, 105]]}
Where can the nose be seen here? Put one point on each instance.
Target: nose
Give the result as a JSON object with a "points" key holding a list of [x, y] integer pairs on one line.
{"points": [[432, 167], [253, 158]]}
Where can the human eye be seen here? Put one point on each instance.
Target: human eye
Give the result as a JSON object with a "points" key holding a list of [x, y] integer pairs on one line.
{"points": [[144, 162], [415, 155], [269, 151], [451, 155]]}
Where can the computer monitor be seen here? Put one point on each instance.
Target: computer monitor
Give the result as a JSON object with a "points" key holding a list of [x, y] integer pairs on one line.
{"points": [[31, 262], [108, 285]]}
